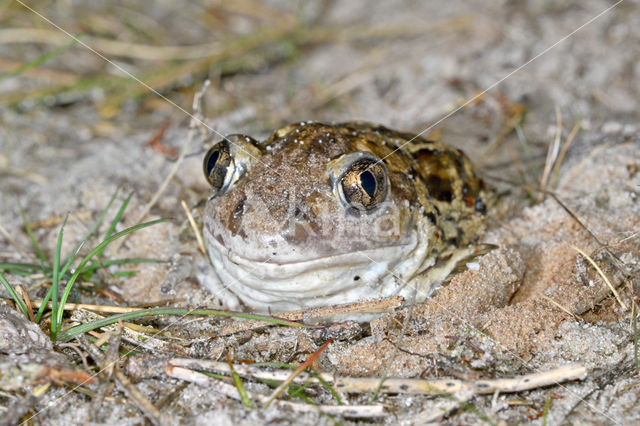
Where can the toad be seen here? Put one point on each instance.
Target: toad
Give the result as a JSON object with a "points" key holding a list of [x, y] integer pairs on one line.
{"points": [[323, 214]]}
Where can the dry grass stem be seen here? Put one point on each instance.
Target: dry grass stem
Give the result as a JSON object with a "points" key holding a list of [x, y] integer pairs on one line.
{"points": [[552, 156], [575, 217], [196, 230], [80, 216], [110, 359], [164, 184], [101, 338], [107, 309], [396, 348], [34, 177], [604, 277], [25, 296], [559, 306], [286, 28], [563, 152], [183, 152], [512, 122], [110, 47], [297, 372]]}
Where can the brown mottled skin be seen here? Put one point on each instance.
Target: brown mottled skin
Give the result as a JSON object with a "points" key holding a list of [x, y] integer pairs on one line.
{"points": [[284, 208]]}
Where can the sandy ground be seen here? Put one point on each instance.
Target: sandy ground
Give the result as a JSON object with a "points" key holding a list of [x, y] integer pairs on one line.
{"points": [[500, 318]]}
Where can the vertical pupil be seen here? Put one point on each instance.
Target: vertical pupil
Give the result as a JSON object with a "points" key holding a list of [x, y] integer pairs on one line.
{"points": [[213, 159], [368, 182]]}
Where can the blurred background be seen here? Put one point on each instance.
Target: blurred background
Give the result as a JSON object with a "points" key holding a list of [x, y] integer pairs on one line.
{"points": [[401, 63]]}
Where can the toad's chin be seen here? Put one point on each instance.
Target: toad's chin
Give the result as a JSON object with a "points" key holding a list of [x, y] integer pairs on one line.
{"points": [[267, 285]]}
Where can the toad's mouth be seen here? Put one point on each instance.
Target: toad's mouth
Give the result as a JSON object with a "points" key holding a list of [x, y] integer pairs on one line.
{"points": [[322, 280]]}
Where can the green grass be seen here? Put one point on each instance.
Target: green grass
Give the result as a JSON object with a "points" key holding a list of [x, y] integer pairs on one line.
{"points": [[19, 302], [58, 269], [34, 242], [323, 382], [74, 331], [237, 381], [56, 323], [545, 413], [40, 60]]}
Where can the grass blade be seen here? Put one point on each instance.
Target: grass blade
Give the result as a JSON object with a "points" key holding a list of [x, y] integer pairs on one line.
{"points": [[545, 412], [116, 219], [23, 269], [95, 227], [132, 260], [14, 296], [55, 282], [80, 329], [34, 242], [39, 60], [244, 397], [71, 258], [62, 274], [96, 224], [324, 383], [296, 392], [44, 304], [101, 217], [96, 250], [26, 269], [124, 274]]}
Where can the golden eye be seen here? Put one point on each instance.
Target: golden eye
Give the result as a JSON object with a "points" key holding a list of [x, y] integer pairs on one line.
{"points": [[216, 165], [364, 184], [228, 160]]}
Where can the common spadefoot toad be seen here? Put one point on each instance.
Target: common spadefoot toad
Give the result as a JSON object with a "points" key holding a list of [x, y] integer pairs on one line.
{"points": [[324, 214]]}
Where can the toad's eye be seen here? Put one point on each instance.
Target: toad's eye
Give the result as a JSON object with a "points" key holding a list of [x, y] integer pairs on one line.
{"points": [[364, 184], [228, 160], [216, 165]]}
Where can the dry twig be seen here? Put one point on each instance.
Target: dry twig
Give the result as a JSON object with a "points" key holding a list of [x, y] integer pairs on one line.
{"points": [[460, 390], [398, 385], [149, 410], [357, 411]]}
